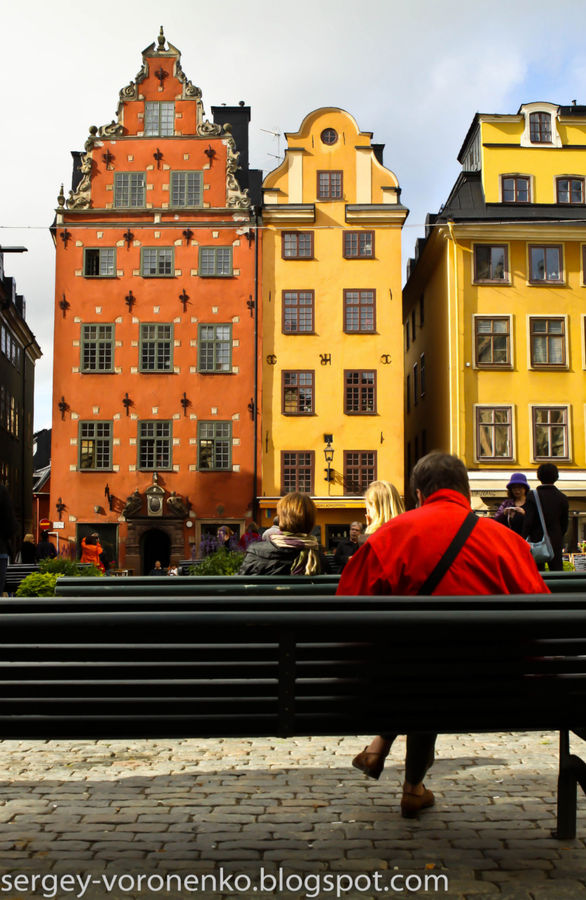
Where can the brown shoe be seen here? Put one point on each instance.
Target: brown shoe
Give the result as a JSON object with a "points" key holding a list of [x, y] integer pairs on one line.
{"points": [[412, 804], [370, 763]]}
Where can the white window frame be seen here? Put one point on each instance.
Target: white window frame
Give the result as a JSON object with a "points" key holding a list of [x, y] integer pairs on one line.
{"points": [[526, 175], [545, 283], [495, 367], [544, 367], [573, 177], [542, 107], [539, 459], [492, 460], [494, 282]]}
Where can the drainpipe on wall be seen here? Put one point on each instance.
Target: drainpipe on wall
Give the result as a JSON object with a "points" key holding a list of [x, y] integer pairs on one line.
{"points": [[23, 480], [255, 464], [455, 350]]}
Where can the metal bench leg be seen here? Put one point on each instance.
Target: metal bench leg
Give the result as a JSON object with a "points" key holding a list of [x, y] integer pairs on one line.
{"points": [[567, 791]]}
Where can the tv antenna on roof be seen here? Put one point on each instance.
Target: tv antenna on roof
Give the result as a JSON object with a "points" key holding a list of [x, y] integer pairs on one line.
{"points": [[277, 135]]}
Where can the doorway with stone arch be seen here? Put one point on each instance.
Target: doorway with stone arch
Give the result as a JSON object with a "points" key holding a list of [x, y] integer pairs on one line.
{"points": [[155, 544]]}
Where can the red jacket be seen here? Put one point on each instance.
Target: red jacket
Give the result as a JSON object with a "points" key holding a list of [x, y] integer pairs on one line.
{"points": [[399, 556]]}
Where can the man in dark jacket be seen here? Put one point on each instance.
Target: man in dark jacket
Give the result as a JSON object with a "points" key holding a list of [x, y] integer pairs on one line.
{"points": [[8, 526], [45, 549], [347, 548], [555, 508]]}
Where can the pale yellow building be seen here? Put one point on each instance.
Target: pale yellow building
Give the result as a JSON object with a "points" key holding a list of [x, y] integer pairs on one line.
{"points": [[494, 308], [332, 341]]}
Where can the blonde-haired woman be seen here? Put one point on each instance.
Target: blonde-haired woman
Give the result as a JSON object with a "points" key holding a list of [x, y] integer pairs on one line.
{"points": [[383, 502]]}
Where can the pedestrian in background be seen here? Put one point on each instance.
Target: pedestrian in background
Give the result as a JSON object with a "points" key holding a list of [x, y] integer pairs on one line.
{"points": [[27, 555], [512, 511], [274, 529], [45, 549], [250, 536], [92, 550], [224, 536], [556, 513], [347, 547], [291, 551]]}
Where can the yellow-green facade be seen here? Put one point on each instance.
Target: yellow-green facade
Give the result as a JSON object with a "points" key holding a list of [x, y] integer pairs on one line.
{"points": [[332, 344], [495, 307]]}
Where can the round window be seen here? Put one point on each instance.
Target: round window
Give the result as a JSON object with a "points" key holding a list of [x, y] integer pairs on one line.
{"points": [[329, 136]]}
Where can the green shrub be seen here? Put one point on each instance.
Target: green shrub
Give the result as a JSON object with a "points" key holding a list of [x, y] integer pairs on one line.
{"points": [[39, 584], [61, 566], [219, 563]]}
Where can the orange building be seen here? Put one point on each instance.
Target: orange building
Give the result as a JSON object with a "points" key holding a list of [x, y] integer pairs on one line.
{"points": [[156, 324]]}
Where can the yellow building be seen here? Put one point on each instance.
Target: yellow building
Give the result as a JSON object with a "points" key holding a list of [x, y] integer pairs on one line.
{"points": [[332, 348], [493, 308]]}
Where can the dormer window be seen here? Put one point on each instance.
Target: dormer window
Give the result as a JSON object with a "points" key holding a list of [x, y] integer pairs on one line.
{"points": [[540, 128]]}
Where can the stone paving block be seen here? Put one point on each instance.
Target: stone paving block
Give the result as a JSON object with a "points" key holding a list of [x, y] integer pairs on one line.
{"points": [[561, 890], [524, 876], [304, 865]]}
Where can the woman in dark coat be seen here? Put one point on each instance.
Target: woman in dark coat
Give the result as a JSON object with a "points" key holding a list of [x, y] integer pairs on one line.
{"points": [[555, 509], [28, 550], [291, 551]]}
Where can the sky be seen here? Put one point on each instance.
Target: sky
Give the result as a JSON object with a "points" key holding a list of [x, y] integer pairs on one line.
{"points": [[413, 72]]}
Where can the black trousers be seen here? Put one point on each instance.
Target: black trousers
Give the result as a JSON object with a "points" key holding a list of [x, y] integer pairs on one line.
{"points": [[419, 755]]}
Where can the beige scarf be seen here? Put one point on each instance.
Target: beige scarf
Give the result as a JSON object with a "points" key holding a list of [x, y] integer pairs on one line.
{"points": [[307, 561]]}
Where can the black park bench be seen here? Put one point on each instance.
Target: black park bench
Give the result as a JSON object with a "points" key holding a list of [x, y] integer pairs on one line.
{"points": [[293, 664], [16, 572]]}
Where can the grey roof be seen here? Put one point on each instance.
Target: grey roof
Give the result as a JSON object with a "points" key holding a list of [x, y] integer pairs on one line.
{"points": [[40, 478], [466, 203]]}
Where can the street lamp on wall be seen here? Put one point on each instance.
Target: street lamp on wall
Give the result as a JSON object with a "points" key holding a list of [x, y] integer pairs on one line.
{"points": [[329, 456]]}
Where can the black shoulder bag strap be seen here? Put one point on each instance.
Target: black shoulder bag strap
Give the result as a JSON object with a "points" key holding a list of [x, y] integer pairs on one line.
{"points": [[458, 541]]}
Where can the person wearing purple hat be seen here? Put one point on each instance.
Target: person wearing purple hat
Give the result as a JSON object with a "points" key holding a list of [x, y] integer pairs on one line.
{"points": [[512, 511]]}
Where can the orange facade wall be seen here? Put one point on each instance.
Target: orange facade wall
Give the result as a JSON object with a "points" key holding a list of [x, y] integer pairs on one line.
{"points": [[126, 298]]}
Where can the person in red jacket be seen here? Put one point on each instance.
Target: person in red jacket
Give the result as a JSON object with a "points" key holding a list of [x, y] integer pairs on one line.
{"points": [[399, 557]]}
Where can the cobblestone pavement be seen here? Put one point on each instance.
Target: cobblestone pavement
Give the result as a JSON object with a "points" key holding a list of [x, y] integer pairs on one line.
{"points": [[290, 809]]}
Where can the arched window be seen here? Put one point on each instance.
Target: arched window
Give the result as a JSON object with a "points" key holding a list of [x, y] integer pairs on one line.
{"points": [[540, 128]]}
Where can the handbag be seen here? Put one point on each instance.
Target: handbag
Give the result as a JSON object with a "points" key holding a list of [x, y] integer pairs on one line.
{"points": [[542, 550]]}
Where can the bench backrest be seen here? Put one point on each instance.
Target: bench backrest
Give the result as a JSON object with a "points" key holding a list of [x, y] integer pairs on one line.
{"points": [[320, 585], [291, 665]]}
